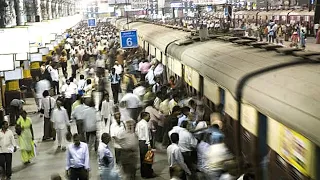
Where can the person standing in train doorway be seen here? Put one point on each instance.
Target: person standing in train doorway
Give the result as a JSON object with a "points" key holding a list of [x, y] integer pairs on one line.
{"points": [[315, 29]]}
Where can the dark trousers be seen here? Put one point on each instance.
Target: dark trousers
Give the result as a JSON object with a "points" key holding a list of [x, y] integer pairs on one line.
{"points": [[64, 67], [165, 140], [80, 130], [14, 114], [74, 71], [68, 105], [78, 174], [159, 134], [145, 169], [190, 159], [117, 154], [48, 130], [6, 163], [93, 136], [143, 77], [133, 113], [115, 91], [68, 53], [55, 86]]}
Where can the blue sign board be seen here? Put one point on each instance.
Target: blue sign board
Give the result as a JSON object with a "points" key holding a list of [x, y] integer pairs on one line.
{"points": [[92, 23], [129, 39]]}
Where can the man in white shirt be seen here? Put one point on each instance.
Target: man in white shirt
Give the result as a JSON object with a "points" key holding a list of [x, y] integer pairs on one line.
{"points": [[175, 157], [150, 76], [106, 112], [90, 124], [41, 86], [7, 147], [47, 105], [61, 122], [69, 90], [187, 144], [74, 65], [55, 79], [132, 104], [67, 47], [144, 136], [117, 129], [78, 115], [316, 27], [81, 85], [118, 68]]}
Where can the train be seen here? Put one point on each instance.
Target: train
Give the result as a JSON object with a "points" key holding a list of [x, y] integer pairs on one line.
{"points": [[270, 100]]}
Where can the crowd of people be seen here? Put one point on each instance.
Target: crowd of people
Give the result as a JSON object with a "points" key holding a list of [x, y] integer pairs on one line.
{"points": [[139, 110]]}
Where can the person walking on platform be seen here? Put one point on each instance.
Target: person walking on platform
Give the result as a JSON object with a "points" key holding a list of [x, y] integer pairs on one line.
{"points": [[25, 138], [117, 129], [68, 90], [48, 103], [55, 79], [16, 108], [144, 135], [61, 122], [78, 163], [78, 116], [106, 159], [90, 124], [7, 147], [115, 84]]}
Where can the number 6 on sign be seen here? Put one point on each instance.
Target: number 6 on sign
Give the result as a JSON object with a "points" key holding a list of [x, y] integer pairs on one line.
{"points": [[129, 42], [129, 39]]}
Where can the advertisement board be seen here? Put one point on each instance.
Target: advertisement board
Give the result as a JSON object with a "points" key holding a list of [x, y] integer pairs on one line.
{"points": [[18, 44], [13, 75], [7, 62]]}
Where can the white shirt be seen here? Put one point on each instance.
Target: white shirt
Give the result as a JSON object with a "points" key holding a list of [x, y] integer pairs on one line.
{"points": [[158, 70], [45, 105], [68, 90], [88, 90], [90, 119], [78, 112], [95, 51], [117, 130], [132, 100], [67, 46], [106, 109], [201, 125], [118, 69], [100, 63], [42, 86], [60, 118], [54, 75], [186, 140], [316, 26], [139, 91], [7, 142], [81, 84], [175, 157], [143, 131], [150, 77], [74, 60]]}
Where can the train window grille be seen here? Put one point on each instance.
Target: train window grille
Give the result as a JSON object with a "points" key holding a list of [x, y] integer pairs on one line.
{"points": [[294, 174], [281, 163]]}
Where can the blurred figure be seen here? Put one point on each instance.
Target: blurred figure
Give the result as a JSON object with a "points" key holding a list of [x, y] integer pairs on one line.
{"points": [[60, 120], [130, 152], [106, 160], [132, 103], [175, 157], [78, 116], [90, 124], [56, 177], [78, 164], [26, 138], [16, 106], [7, 147], [55, 79]]}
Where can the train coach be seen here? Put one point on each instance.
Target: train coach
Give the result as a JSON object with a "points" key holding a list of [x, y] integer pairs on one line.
{"points": [[271, 101]]}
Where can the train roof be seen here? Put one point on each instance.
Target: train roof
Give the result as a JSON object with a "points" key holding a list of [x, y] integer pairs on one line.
{"points": [[290, 94]]}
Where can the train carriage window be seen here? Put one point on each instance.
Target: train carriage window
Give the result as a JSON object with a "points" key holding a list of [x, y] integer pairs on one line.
{"points": [[262, 143]]}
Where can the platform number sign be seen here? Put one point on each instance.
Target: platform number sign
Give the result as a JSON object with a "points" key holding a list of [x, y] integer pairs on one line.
{"points": [[129, 39], [92, 22]]}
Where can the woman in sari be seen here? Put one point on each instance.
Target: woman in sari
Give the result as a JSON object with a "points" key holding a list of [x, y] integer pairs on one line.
{"points": [[26, 138]]}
